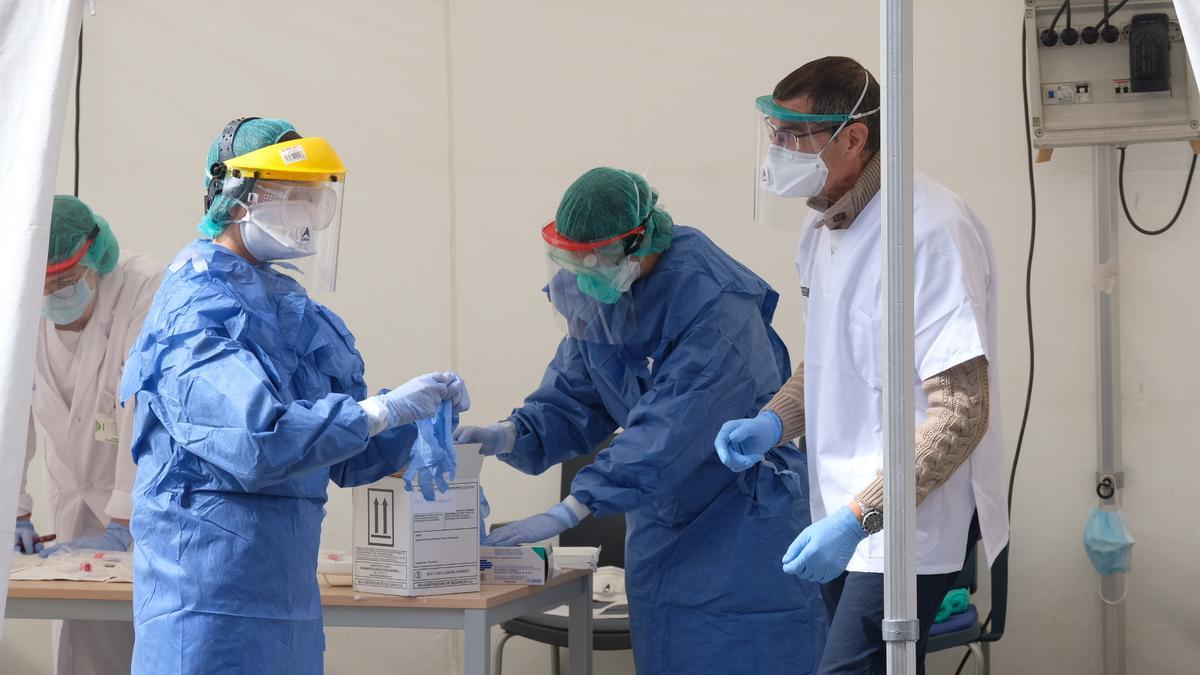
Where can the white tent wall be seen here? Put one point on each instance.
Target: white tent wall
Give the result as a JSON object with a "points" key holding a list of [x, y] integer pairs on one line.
{"points": [[540, 91]]}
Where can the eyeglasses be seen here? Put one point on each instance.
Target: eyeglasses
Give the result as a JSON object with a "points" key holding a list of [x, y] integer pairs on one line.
{"points": [[795, 139], [64, 284]]}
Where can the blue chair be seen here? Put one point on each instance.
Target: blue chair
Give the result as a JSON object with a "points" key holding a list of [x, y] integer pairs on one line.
{"points": [[607, 533], [967, 629]]}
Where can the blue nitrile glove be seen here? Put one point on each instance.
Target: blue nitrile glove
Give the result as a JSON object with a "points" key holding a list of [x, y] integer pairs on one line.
{"points": [[416, 399], [456, 390], [823, 549], [534, 528], [485, 510], [116, 537], [496, 438], [741, 443], [24, 536], [433, 453]]}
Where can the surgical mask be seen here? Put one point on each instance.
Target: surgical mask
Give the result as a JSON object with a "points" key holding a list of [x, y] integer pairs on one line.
{"points": [[66, 305], [1107, 542], [268, 238], [609, 285], [788, 173]]}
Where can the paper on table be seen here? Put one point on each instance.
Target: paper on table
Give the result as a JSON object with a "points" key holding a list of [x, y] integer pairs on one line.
{"points": [[79, 566], [20, 562], [334, 562]]}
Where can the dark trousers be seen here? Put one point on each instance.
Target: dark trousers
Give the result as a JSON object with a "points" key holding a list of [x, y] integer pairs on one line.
{"points": [[855, 602]]}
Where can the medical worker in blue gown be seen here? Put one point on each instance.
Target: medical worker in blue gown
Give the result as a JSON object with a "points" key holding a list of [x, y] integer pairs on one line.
{"points": [[666, 336], [250, 399]]}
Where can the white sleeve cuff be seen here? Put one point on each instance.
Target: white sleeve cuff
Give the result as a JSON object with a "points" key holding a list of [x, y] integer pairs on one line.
{"points": [[577, 507], [377, 415], [120, 505], [510, 436]]}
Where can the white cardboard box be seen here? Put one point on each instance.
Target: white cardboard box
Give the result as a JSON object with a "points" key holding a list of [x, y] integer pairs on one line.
{"points": [[404, 545], [513, 565]]}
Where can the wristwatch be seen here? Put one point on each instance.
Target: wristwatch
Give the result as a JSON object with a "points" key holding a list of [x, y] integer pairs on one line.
{"points": [[872, 520]]}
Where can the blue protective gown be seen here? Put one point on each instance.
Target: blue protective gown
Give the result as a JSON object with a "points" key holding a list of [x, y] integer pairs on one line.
{"points": [[247, 397], [704, 545]]}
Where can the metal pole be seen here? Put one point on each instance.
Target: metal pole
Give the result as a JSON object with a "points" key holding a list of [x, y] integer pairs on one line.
{"points": [[1108, 382], [900, 627]]}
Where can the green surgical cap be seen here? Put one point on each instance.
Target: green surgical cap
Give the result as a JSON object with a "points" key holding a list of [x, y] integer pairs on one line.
{"points": [[70, 224], [606, 202], [252, 135]]}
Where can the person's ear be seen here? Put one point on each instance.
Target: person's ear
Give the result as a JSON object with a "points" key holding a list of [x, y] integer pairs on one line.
{"points": [[855, 135]]}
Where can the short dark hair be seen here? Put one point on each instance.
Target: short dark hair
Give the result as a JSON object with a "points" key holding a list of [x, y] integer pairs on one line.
{"points": [[833, 84]]}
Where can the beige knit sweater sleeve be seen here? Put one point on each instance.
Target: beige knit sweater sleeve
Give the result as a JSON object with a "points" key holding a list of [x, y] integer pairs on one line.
{"points": [[788, 403], [957, 421]]}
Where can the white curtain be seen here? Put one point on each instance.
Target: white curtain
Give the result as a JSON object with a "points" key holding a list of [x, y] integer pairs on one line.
{"points": [[1188, 12], [38, 44]]}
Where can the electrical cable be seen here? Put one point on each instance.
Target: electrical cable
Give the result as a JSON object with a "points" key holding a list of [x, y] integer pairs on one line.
{"points": [[1125, 207], [1061, 9], [1012, 477], [1109, 12]]}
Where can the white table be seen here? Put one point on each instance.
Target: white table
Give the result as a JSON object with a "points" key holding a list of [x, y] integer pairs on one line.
{"points": [[472, 613]]}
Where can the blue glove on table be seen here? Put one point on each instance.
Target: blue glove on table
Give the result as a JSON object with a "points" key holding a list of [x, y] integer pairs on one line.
{"points": [[823, 549], [741, 443], [23, 538], [496, 438], [116, 537], [534, 528]]}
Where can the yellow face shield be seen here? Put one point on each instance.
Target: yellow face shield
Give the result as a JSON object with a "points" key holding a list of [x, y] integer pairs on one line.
{"points": [[292, 194]]}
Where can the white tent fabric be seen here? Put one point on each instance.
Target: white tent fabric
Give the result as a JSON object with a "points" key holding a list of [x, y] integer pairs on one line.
{"points": [[1188, 12], [38, 45]]}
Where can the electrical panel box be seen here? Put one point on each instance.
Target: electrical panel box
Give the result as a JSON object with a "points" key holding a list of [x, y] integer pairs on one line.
{"points": [[1116, 82]]}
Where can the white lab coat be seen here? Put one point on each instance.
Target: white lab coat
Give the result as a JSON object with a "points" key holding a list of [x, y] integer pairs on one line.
{"points": [[955, 319], [89, 470]]}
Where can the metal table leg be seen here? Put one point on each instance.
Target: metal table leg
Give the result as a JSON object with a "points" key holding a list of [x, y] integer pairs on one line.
{"points": [[477, 642], [579, 628]]}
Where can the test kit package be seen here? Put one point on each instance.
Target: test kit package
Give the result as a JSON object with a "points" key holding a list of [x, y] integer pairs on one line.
{"points": [[521, 565], [405, 545]]}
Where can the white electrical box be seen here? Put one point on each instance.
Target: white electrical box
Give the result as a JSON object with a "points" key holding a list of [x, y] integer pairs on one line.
{"points": [[1116, 83]]}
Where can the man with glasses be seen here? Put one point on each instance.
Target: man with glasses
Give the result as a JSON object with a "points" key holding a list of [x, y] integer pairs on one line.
{"points": [[821, 139], [666, 337], [95, 300]]}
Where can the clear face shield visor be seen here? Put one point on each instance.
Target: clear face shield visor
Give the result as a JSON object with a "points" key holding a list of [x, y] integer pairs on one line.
{"points": [[590, 284], [789, 167], [293, 222]]}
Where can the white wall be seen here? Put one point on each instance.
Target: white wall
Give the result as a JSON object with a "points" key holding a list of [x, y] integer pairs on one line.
{"points": [[462, 122]]}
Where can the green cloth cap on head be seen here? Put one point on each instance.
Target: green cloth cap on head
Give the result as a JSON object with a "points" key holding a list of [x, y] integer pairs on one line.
{"points": [[252, 135], [71, 222], [606, 202]]}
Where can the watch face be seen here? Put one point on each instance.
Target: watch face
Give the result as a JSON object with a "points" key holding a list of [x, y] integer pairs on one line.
{"points": [[872, 522]]}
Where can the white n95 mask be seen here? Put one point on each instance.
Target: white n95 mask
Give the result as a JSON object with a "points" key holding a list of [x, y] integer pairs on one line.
{"points": [[788, 173], [278, 231]]}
